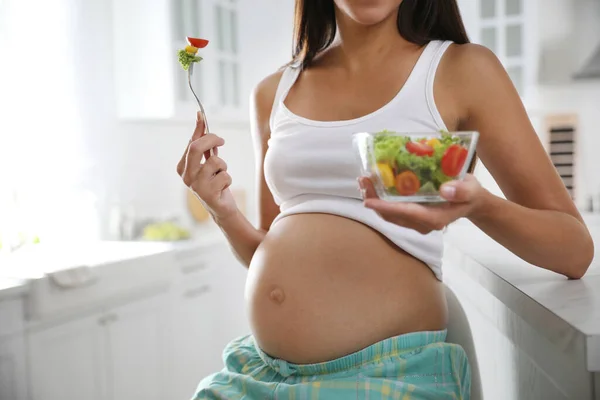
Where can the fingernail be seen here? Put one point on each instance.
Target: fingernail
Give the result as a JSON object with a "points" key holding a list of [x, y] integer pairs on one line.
{"points": [[448, 191], [360, 184], [198, 116]]}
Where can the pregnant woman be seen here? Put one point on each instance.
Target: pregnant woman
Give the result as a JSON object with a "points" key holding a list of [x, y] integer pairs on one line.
{"points": [[344, 290]]}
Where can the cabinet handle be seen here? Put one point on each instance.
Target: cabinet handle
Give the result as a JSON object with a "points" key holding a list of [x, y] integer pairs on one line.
{"points": [[113, 318], [107, 319], [199, 291], [191, 268]]}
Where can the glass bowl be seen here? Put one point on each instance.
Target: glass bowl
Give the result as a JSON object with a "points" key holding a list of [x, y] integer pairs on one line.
{"points": [[411, 167]]}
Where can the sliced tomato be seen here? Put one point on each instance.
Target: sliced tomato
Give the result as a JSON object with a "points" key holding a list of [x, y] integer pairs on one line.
{"points": [[407, 183], [196, 42], [420, 149], [453, 160]]}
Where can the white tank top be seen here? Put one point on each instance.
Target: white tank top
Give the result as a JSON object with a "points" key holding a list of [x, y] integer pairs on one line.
{"points": [[311, 167]]}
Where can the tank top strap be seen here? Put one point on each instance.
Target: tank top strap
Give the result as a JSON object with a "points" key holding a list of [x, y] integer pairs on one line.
{"points": [[435, 56], [288, 78], [438, 53]]}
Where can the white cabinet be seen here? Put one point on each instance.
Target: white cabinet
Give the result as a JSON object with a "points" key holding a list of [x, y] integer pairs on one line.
{"points": [[207, 312], [69, 361], [13, 382], [136, 348], [143, 67], [195, 352], [13, 378], [155, 347], [116, 355]]}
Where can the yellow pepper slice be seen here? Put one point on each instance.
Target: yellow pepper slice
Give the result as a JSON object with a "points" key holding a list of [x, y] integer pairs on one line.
{"points": [[387, 175], [433, 142], [191, 49]]}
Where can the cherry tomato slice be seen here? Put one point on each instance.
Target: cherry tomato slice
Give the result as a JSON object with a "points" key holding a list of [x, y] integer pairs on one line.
{"points": [[420, 149], [196, 42], [453, 160], [407, 183]]}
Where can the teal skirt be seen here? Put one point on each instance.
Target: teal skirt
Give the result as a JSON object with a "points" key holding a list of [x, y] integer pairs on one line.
{"points": [[419, 365]]}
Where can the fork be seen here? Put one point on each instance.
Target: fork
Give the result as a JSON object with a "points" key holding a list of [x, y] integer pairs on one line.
{"points": [[210, 152]]}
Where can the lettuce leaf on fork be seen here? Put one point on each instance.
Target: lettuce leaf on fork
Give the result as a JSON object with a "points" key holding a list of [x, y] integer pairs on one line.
{"points": [[186, 59]]}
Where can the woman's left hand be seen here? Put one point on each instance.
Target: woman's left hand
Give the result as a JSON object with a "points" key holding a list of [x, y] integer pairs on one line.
{"points": [[464, 198]]}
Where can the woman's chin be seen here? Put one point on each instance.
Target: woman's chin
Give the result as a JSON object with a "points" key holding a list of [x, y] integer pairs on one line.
{"points": [[369, 13]]}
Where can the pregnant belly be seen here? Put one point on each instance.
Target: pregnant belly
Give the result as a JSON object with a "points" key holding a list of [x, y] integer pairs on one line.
{"points": [[320, 287]]}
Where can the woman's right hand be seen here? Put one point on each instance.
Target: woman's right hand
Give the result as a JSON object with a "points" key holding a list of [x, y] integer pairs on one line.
{"points": [[209, 180]]}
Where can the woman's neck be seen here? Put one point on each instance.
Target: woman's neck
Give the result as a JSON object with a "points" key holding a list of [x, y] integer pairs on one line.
{"points": [[361, 46]]}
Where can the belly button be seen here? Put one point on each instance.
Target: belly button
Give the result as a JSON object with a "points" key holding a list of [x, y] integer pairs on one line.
{"points": [[277, 295]]}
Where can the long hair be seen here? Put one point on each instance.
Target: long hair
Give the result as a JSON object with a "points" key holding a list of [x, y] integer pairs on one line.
{"points": [[419, 22]]}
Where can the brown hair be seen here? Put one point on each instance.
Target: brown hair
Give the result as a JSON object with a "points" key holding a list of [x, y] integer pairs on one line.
{"points": [[419, 22]]}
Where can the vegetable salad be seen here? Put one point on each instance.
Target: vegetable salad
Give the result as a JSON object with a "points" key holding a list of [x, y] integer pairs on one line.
{"points": [[188, 56], [410, 165]]}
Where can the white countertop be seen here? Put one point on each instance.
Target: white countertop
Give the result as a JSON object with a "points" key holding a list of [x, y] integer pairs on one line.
{"points": [[558, 308], [10, 287], [39, 261]]}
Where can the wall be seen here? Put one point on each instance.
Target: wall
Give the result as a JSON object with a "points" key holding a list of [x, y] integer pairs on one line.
{"points": [[134, 163], [569, 33], [565, 33]]}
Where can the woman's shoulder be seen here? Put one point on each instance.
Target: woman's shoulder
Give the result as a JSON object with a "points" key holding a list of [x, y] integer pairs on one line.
{"points": [[267, 87], [474, 76], [471, 67], [471, 61], [263, 97], [470, 57]]}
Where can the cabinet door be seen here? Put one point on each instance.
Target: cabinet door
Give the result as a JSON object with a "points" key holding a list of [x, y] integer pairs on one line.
{"points": [[230, 287], [197, 349], [13, 382], [68, 361], [136, 350]]}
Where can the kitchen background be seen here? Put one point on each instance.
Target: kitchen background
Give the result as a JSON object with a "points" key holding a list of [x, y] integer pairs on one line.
{"points": [[94, 115], [105, 110]]}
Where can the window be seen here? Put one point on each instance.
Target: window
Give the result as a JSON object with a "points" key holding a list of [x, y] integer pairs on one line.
{"points": [[502, 31], [187, 21], [43, 165], [226, 21], [218, 21]]}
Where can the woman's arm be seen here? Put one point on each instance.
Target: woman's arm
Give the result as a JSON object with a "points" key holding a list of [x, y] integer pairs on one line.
{"points": [[242, 235], [539, 222]]}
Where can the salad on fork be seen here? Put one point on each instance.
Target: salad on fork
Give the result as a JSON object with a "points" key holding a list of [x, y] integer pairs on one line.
{"points": [[187, 58]]}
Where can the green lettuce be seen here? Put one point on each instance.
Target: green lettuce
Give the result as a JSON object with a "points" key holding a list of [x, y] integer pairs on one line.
{"points": [[186, 59], [387, 147]]}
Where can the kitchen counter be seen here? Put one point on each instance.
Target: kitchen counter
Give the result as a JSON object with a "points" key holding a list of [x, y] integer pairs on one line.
{"points": [[108, 303], [105, 268], [564, 312], [10, 287]]}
